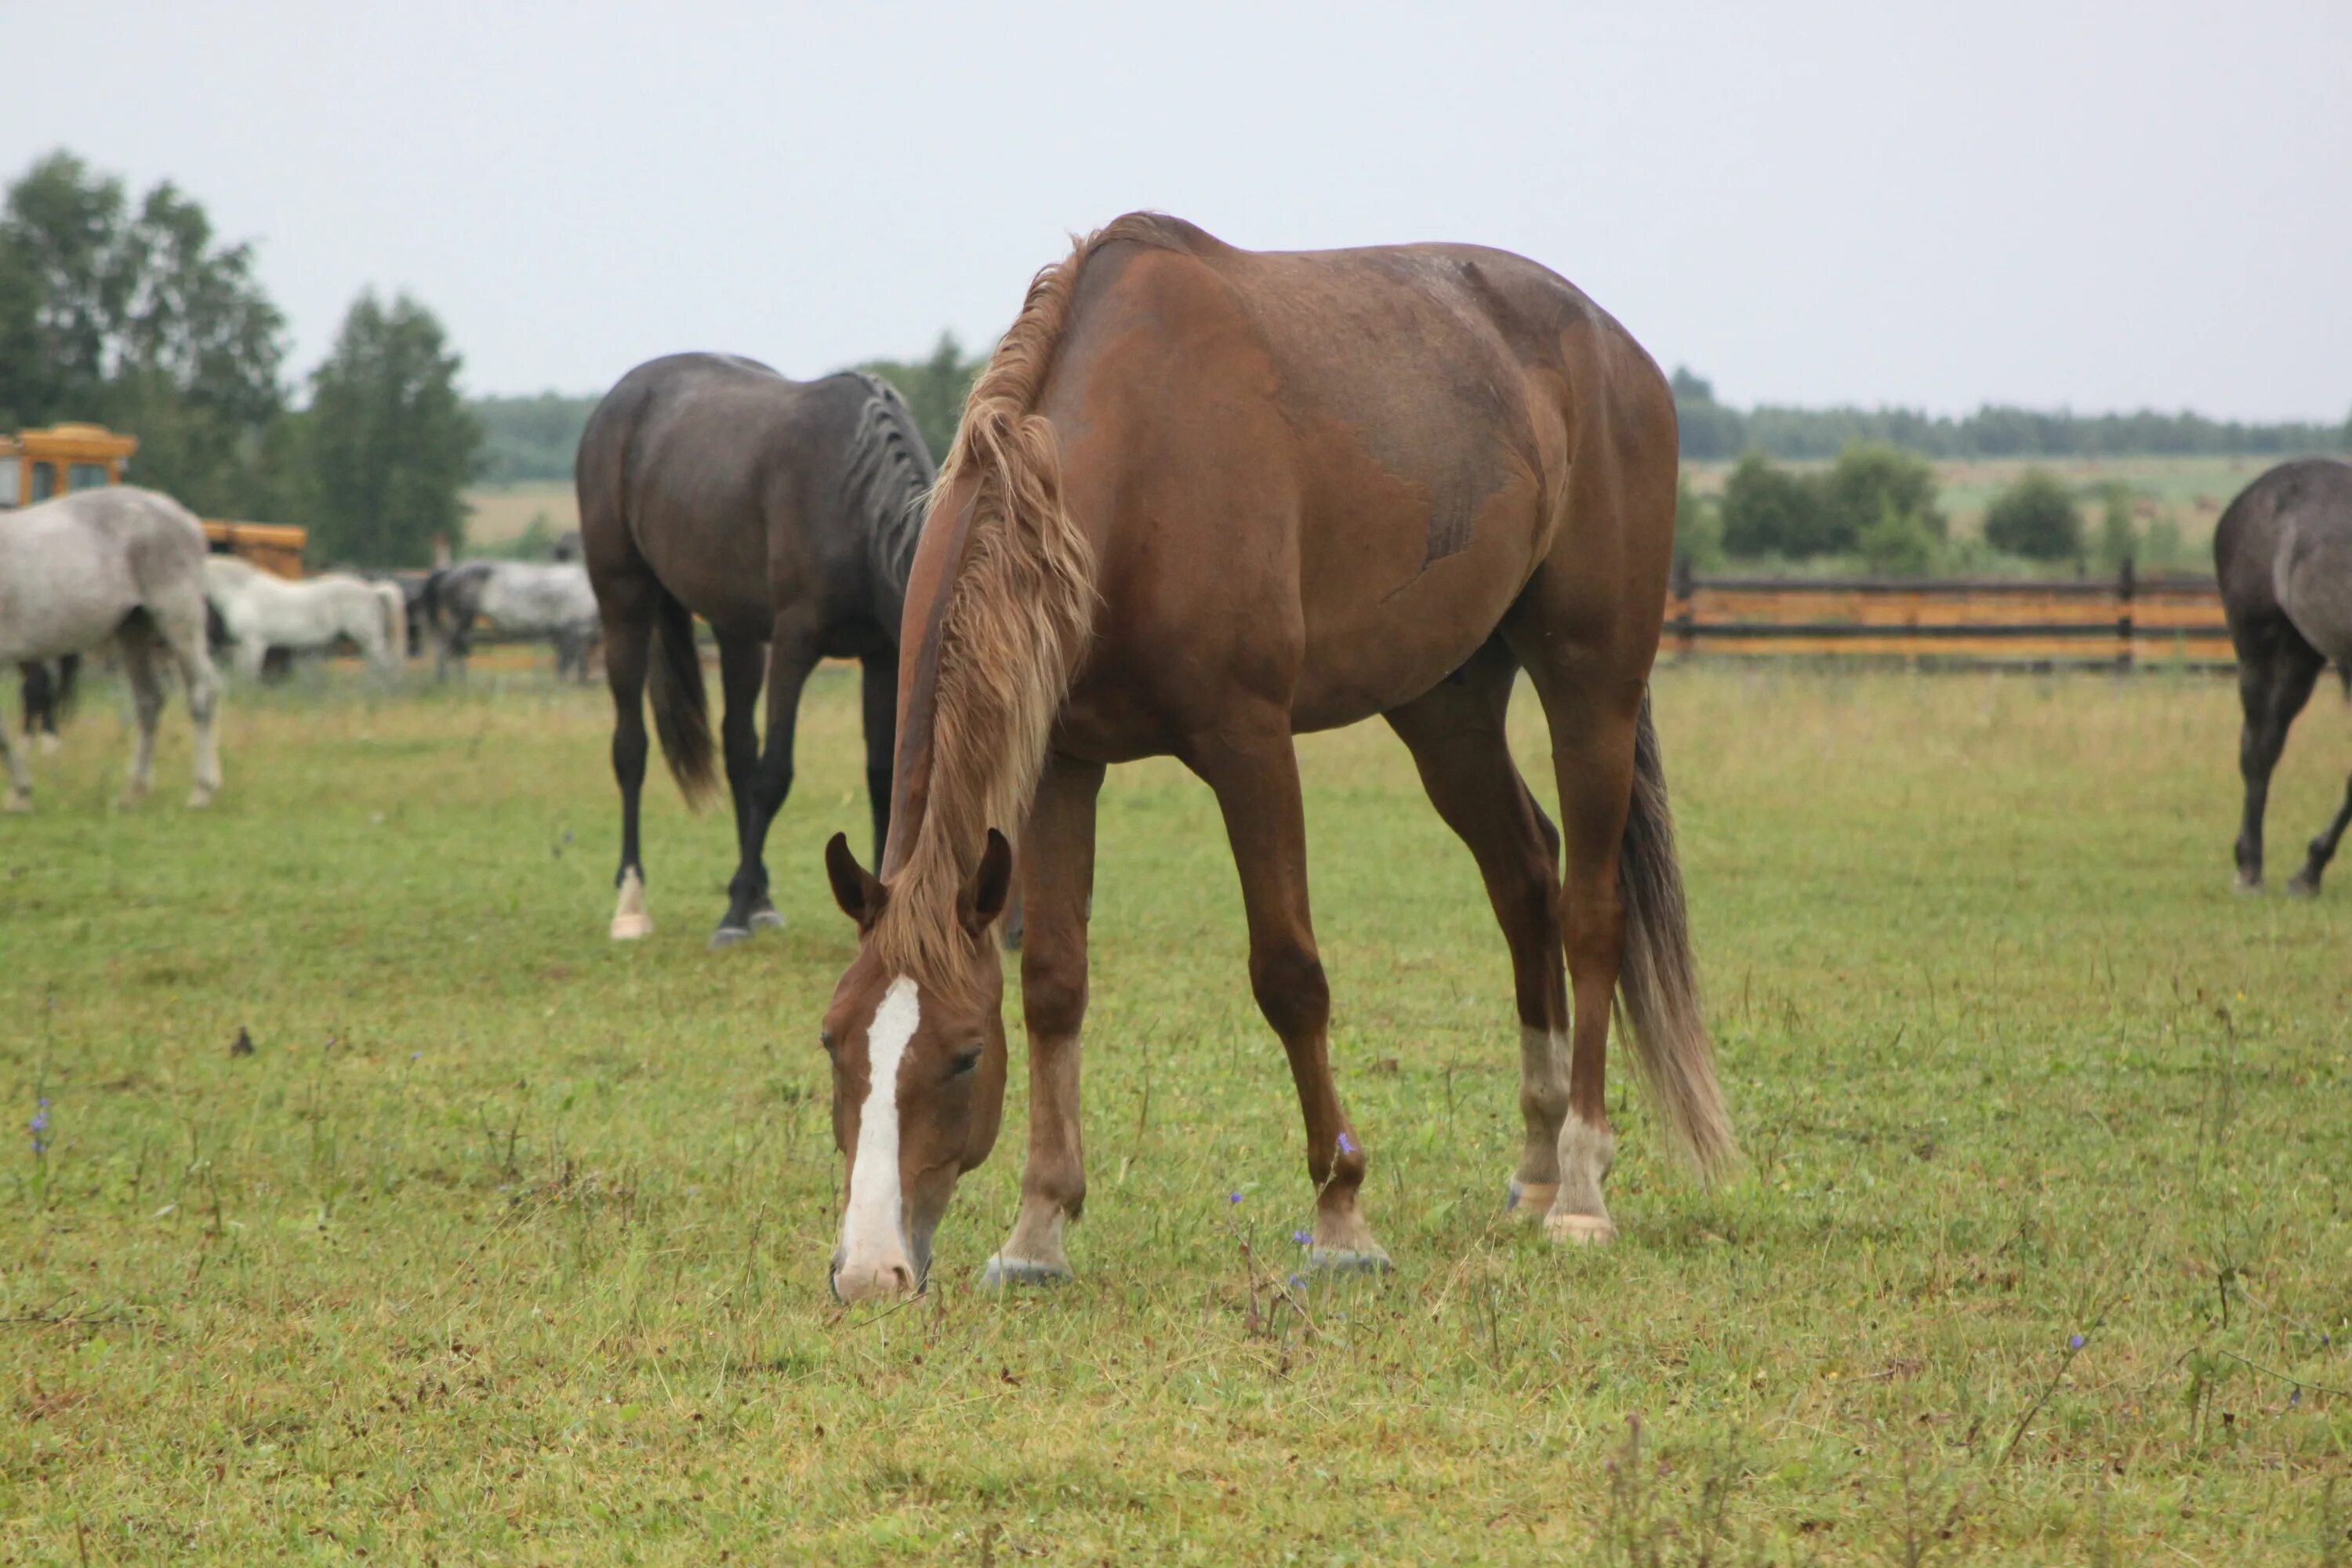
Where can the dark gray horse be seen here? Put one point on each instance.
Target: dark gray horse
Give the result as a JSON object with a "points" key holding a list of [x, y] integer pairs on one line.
{"points": [[782, 512], [2284, 555]]}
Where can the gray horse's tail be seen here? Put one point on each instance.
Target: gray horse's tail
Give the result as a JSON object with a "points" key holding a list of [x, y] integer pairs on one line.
{"points": [[395, 620], [1658, 979], [681, 712]]}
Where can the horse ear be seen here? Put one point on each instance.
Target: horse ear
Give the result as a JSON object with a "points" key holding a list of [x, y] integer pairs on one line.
{"points": [[992, 883], [854, 887]]}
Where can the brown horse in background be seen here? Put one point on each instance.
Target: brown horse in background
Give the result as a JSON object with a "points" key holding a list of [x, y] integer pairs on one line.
{"points": [[1206, 498], [783, 513]]}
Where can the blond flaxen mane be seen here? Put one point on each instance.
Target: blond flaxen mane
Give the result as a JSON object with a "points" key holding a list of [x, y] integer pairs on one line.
{"points": [[1020, 609]]}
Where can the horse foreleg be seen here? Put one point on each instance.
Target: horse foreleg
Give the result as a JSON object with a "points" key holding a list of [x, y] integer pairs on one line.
{"points": [[139, 651], [1252, 769], [792, 654], [20, 778], [1057, 875]]}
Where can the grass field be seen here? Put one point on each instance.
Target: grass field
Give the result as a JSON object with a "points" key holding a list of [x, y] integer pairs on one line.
{"points": [[499, 514], [505, 1244]]}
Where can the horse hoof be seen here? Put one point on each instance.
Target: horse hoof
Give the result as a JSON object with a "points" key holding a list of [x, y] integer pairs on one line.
{"points": [[1528, 1200], [48, 745], [1367, 1258], [765, 918], [630, 927], [1580, 1229], [17, 801], [2246, 887], [729, 936], [2301, 886], [1004, 1273], [199, 799]]}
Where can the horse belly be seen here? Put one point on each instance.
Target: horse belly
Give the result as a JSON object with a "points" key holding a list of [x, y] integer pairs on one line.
{"points": [[62, 593]]}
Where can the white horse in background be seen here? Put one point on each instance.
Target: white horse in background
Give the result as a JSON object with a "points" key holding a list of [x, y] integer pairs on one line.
{"points": [[517, 599], [117, 562], [261, 612]]}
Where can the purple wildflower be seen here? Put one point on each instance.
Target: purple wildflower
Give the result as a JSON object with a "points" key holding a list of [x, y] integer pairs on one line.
{"points": [[1303, 1238], [1348, 1144], [1233, 1197], [1298, 1281], [2075, 1343], [39, 1125]]}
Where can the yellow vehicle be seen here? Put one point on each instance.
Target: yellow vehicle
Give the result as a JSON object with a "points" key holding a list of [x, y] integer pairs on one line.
{"points": [[35, 465]]}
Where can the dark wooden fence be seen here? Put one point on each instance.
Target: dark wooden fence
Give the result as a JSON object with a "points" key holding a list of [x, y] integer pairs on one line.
{"points": [[2115, 622]]}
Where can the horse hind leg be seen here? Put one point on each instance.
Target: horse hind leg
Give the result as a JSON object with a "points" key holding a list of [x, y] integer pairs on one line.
{"points": [[20, 779], [2276, 670], [1457, 737], [141, 647], [2305, 882], [182, 631]]}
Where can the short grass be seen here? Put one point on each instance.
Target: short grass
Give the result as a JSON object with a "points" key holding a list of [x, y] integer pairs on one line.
{"points": [[505, 1244]]}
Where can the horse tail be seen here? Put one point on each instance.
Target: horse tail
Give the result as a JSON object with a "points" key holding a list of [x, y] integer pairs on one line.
{"points": [[681, 712], [395, 619], [1658, 979]]}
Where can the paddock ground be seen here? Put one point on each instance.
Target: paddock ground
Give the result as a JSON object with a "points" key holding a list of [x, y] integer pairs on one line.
{"points": [[505, 1244]]}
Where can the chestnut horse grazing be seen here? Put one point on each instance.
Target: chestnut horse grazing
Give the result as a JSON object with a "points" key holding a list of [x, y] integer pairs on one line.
{"points": [[1204, 499], [2282, 553], [782, 512]]}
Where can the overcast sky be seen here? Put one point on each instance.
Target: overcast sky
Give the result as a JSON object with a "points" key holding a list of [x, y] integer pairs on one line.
{"points": [[2103, 205]]}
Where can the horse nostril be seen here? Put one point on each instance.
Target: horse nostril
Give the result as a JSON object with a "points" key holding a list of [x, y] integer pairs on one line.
{"points": [[903, 1277]]}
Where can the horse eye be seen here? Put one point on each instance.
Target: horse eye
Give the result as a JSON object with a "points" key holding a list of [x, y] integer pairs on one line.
{"points": [[964, 1064]]}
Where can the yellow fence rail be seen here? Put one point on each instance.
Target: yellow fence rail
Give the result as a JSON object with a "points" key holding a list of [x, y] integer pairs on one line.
{"points": [[2119, 622]]}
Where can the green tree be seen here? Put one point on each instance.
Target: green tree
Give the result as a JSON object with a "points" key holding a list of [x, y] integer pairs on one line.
{"points": [[1698, 533], [388, 444], [133, 315], [2035, 517], [2118, 536], [1873, 481], [934, 388], [1708, 429], [1768, 510]]}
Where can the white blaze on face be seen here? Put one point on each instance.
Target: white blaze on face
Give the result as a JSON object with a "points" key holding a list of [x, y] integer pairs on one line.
{"points": [[871, 1235]]}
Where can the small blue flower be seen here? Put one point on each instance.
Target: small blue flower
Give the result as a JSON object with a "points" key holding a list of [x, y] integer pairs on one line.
{"points": [[416, 1056], [1233, 1197], [1298, 1281], [2075, 1343], [2295, 1397], [1303, 1238], [1348, 1144]]}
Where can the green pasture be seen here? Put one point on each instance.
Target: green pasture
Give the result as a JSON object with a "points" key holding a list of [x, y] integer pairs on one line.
{"points": [[506, 1245]]}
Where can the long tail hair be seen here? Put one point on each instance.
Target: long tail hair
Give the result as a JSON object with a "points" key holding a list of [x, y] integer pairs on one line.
{"points": [[1019, 612], [395, 620], [681, 710], [1658, 979]]}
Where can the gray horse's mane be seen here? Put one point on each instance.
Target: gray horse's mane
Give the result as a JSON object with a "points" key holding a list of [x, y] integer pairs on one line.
{"points": [[888, 480]]}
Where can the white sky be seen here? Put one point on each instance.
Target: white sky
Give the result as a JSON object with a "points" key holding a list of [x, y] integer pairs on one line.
{"points": [[2097, 205]]}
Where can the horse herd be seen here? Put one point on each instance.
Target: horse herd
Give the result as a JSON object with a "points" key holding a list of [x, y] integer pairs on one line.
{"points": [[1200, 499]]}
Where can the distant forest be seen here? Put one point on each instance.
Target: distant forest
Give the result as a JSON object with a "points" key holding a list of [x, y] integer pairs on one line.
{"points": [[1712, 429], [528, 440]]}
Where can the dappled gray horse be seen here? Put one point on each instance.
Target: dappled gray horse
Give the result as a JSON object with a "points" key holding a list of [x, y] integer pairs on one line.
{"points": [[515, 599], [2284, 555], [117, 562]]}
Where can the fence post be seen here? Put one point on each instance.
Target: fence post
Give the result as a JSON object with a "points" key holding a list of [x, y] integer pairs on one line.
{"points": [[1686, 632], [2125, 587]]}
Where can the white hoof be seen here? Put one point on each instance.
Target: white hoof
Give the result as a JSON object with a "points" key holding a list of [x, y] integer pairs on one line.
{"points": [[1004, 1273], [1580, 1229], [48, 745], [18, 801], [630, 927], [729, 936], [765, 918], [199, 798], [630, 919]]}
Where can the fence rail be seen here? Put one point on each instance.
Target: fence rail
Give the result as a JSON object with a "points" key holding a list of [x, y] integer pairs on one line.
{"points": [[2115, 622]]}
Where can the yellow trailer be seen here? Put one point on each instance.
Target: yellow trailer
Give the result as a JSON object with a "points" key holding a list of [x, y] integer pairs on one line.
{"points": [[35, 465]]}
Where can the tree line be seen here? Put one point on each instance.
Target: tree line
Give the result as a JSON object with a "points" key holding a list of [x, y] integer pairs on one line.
{"points": [[134, 314], [1712, 430]]}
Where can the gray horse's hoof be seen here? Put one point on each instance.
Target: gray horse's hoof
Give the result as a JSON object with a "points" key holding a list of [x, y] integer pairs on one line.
{"points": [[765, 918], [1004, 1272], [1348, 1260], [2303, 885], [17, 800], [2246, 887], [729, 936]]}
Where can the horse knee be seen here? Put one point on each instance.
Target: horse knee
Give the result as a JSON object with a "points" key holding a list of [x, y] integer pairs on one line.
{"points": [[1291, 989], [1052, 995]]}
